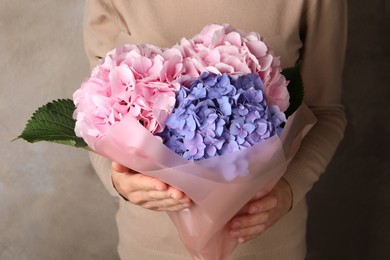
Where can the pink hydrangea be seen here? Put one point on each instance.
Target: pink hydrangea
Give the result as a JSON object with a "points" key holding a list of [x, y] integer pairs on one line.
{"points": [[138, 79], [223, 49]]}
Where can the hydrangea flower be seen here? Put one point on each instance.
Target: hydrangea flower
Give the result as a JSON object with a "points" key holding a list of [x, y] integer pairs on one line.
{"points": [[219, 114], [138, 79]]}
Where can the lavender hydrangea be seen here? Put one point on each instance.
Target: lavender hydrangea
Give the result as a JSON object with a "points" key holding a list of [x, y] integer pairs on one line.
{"points": [[219, 114]]}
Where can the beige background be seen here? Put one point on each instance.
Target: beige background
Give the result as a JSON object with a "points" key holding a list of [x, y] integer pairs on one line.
{"points": [[52, 206]]}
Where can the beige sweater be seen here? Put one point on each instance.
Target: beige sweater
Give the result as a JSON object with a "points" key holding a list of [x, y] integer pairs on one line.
{"points": [[313, 30]]}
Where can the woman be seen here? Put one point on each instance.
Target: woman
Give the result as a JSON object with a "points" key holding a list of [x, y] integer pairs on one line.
{"points": [[273, 227]]}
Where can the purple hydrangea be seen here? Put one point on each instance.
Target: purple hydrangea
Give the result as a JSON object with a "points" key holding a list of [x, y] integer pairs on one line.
{"points": [[219, 114]]}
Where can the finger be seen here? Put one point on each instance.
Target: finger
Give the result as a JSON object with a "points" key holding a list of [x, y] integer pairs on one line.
{"points": [[262, 205], [163, 199], [119, 167], [142, 196], [141, 182], [247, 221], [250, 231], [126, 183], [177, 194], [166, 205], [179, 207]]}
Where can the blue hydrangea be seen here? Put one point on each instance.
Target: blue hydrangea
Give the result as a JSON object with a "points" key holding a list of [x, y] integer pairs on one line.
{"points": [[219, 114]]}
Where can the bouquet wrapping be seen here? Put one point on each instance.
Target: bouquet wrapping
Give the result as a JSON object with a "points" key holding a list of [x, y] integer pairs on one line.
{"points": [[217, 196], [211, 116]]}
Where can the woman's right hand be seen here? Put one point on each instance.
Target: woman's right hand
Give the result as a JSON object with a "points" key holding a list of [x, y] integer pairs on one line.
{"points": [[147, 192]]}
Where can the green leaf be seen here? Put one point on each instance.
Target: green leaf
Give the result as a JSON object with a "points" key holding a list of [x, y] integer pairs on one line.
{"points": [[295, 87], [53, 122]]}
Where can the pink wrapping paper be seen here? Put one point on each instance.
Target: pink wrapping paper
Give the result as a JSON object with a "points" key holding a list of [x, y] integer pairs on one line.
{"points": [[219, 186]]}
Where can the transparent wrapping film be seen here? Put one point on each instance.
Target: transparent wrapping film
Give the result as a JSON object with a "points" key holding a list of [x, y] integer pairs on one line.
{"points": [[219, 186]]}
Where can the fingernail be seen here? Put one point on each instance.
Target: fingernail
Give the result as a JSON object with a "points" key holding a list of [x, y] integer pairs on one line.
{"points": [[241, 240], [236, 224], [186, 205]]}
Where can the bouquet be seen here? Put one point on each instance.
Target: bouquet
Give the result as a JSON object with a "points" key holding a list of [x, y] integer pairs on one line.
{"points": [[214, 116]]}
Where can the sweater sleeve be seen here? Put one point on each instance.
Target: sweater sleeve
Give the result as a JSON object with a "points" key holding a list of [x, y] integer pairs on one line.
{"points": [[324, 38], [101, 30], [102, 27]]}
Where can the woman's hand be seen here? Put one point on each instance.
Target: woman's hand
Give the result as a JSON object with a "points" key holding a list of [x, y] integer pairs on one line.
{"points": [[147, 192], [261, 213]]}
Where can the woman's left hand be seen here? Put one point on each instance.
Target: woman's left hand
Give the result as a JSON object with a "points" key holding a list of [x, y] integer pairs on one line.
{"points": [[261, 213]]}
